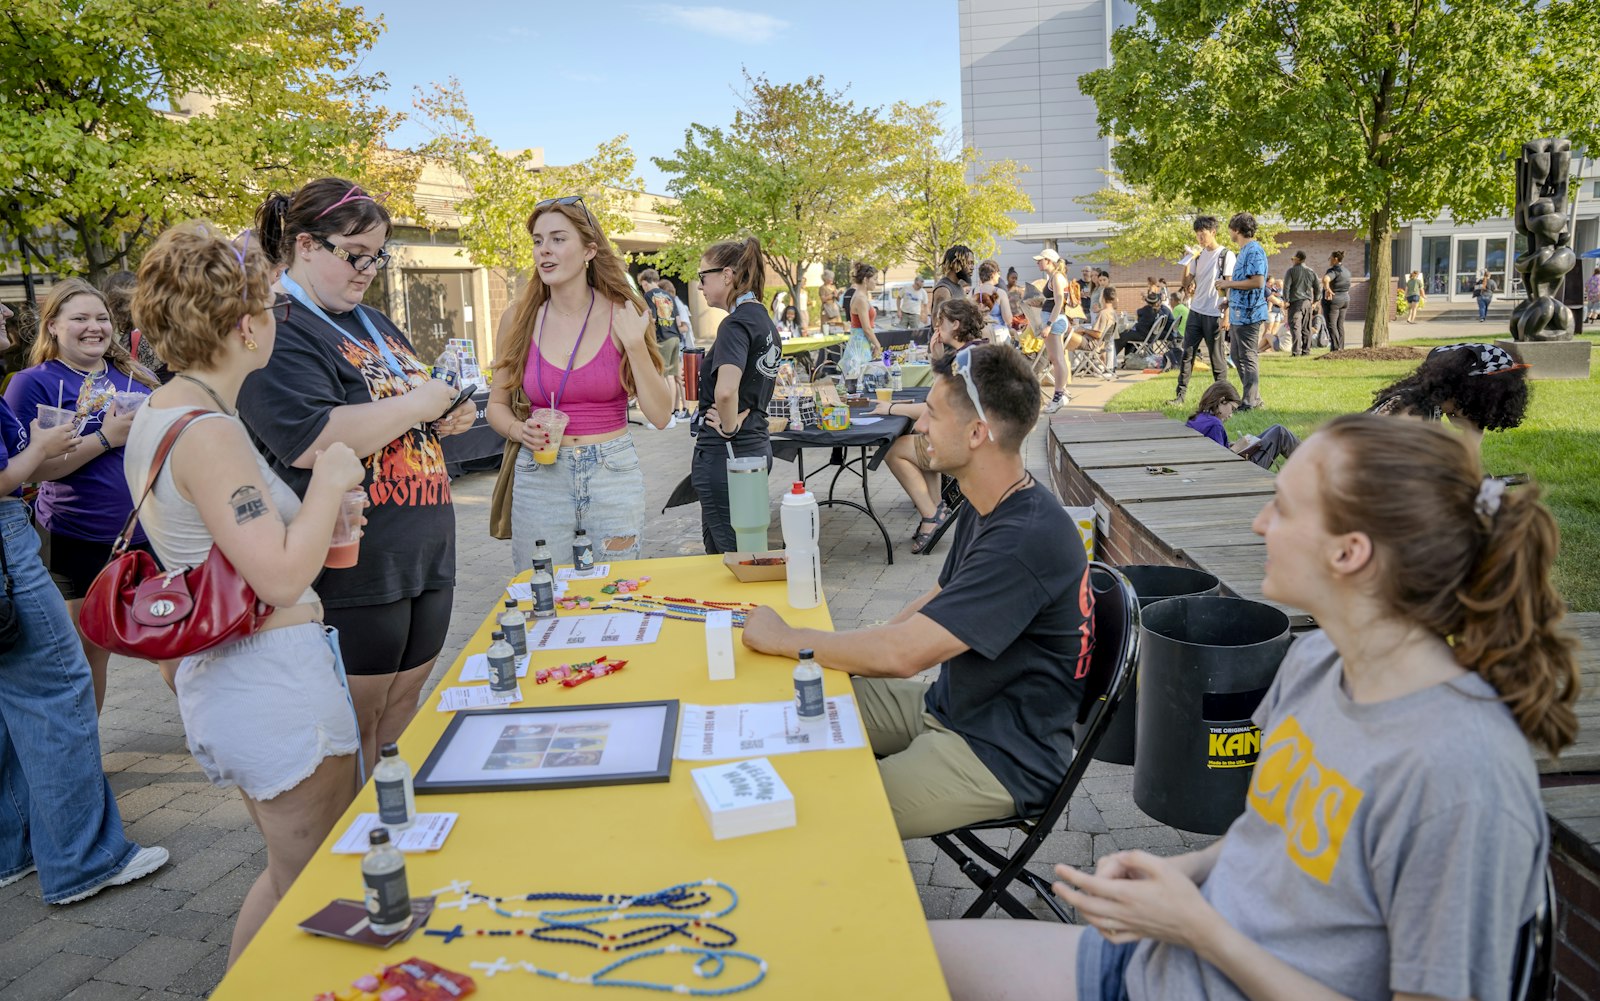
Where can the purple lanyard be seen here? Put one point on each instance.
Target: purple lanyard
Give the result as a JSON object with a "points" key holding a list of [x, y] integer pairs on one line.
{"points": [[538, 346]]}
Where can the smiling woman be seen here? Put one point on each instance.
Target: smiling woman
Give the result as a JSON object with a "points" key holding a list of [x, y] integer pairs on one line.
{"points": [[79, 366]]}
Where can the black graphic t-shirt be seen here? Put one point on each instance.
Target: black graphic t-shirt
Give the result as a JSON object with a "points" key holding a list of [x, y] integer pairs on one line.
{"points": [[664, 311], [747, 339], [409, 544]]}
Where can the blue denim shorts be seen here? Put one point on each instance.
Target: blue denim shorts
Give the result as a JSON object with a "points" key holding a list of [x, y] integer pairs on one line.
{"points": [[1059, 327], [261, 713], [598, 488], [1102, 968]]}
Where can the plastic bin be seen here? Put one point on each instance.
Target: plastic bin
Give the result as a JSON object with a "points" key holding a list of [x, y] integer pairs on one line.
{"points": [[1152, 583], [1205, 663]]}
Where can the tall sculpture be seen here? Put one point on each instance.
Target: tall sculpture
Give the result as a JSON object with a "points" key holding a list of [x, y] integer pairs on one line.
{"points": [[1541, 217]]}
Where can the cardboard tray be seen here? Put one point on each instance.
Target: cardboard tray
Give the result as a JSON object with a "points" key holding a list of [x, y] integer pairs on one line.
{"points": [[748, 574]]}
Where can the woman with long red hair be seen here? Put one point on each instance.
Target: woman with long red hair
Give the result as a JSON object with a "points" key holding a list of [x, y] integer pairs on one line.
{"points": [[577, 341]]}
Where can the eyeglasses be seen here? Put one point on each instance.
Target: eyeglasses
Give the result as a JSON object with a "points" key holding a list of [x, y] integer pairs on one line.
{"points": [[361, 262], [280, 307], [710, 271], [962, 366]]}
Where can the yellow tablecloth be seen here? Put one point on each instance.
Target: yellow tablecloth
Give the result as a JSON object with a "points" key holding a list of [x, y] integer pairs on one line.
{"points": [[829, 904], [798, 345]]}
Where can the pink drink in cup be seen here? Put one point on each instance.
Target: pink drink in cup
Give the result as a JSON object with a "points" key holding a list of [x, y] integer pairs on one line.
{"points": [[345, 548], [554, 424], [50, 417]]}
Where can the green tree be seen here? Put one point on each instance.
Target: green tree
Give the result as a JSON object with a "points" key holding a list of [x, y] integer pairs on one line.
{"points": [[939, 205], [1346, 112], [500, 189], [801, 168], [118, 117], [1146, 225]]}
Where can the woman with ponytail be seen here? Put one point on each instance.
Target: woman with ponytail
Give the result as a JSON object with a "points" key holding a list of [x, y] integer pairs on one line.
{"points": [[78, 364], [735, 382], [579, 341], [1393, 840], [342, 371]]}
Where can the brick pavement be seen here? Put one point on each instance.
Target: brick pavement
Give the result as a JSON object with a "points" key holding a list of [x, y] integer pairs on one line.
{"points": [[166, 936]]}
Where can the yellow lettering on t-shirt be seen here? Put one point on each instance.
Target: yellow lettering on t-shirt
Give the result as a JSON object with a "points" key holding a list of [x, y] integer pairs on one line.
{"points": [[1311, 803]]}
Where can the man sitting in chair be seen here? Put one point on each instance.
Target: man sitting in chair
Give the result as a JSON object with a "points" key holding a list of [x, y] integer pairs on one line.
{"points": [[1009, 620]]}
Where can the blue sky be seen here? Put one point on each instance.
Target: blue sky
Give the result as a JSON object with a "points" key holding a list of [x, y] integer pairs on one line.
{"points": [[569, 75]]}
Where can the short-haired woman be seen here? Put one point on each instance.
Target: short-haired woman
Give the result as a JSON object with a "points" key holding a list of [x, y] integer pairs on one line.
{"points": [[736, 381], [343, 372], [58, 815], [956, 323], [1479, 387], [1217, 404], [992, 299], [862, 348], [1393, 839], [579, 340], [78, 363], [269, 714]]}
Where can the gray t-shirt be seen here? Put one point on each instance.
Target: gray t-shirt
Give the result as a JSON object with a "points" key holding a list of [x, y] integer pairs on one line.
{"points": [[1385, 847]]}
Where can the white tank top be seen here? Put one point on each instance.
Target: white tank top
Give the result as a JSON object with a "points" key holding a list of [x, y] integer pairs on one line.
{"points": [[172, 524]]}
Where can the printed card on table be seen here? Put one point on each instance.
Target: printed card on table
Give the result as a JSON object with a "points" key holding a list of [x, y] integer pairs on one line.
{"points": [[426, 835], [752, 729], [579, 632]]}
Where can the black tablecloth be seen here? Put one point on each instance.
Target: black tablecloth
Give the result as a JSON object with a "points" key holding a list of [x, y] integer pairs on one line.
{"points": [[477, 448], [786, 445]]}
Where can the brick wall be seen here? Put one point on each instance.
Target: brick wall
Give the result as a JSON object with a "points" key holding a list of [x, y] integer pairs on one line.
{"points": [[1577, 927]]}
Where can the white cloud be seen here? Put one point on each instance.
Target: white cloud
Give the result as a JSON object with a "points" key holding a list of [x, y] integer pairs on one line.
{"points": [[724, 22]]}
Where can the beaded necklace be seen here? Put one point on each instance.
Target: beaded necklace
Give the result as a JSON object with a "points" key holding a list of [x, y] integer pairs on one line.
{"points": [[686, 910]]}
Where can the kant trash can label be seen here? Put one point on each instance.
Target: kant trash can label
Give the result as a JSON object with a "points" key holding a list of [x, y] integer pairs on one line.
{"points": [[1232, 745]]}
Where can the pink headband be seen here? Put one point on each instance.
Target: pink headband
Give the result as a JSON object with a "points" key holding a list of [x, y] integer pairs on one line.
{"points": [[355, 194]]}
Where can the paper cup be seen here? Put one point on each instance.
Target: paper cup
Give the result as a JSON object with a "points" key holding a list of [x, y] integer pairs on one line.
{"points": [[345, 547], [885, 394], [554, 423], [50, 417]]}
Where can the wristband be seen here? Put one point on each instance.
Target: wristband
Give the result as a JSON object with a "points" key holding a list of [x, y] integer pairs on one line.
{"points": [[104, 441]]}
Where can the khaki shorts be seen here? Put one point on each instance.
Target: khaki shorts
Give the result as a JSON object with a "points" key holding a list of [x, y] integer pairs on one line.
{"points": [[934, 781], [671, 355], [919, 446]]}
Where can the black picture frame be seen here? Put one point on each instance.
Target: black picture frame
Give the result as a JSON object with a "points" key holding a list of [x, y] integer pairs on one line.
{"points": [[429, 782]]}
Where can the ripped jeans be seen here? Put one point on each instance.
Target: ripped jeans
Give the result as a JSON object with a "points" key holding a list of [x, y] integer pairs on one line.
{"points": [[597, 488]]}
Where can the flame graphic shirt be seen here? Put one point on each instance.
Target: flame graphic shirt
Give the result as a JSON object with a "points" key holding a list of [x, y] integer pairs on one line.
{"points": [[408, 545], [1385, 847]]}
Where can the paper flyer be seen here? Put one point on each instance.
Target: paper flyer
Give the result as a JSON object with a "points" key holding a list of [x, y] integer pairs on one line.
{"points": [[426, 835], [752, 729]]}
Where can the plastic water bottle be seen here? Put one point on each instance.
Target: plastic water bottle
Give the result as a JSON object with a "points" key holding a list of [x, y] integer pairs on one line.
{"points": [[895, 377], [796, 418], [801, 527], [502, 664], [542, 558], [447, 367], [515, 625], [809, 705], [544, 592], [388, 898], [397, 801], [582, 552]]}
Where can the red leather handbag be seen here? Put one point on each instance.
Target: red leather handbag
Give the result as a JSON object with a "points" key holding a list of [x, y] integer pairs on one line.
{"points": [[138, 610]]}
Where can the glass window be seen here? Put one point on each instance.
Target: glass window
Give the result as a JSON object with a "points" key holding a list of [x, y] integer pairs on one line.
{"points": [[1436, 264]]}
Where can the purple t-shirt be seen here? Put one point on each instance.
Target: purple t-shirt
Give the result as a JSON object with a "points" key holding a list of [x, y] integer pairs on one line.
{"points": [[93, 502], [11, 440], [1211, 427]]}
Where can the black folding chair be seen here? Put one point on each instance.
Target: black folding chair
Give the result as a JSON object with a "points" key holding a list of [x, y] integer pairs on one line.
{"points": [[1533, 965], [1111, 671], [953, 500]]}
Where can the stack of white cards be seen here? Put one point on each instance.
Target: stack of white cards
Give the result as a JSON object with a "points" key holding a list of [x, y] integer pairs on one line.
{"points": [[746, 797]]}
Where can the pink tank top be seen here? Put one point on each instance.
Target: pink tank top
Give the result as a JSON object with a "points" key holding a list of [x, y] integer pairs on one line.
{"points": [[594, 400]]}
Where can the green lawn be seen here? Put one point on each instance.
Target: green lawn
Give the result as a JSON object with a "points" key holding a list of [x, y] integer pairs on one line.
{"points": [[1558, 444]]}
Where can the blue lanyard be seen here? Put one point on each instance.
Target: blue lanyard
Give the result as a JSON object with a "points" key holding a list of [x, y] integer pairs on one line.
{"points": [[743, 298], [293, 288]]}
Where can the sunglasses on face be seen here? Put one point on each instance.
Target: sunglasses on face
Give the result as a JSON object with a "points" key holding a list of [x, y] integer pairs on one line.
{"points": [[361, 262], [962, 366], [709, 271]]}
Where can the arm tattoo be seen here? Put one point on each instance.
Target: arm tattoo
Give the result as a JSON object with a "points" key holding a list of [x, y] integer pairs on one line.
{"points": [[247, 504]]}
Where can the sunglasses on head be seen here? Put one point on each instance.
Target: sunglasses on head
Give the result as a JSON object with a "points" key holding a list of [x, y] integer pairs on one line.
{"points": [[962, 366], [577, 200]]}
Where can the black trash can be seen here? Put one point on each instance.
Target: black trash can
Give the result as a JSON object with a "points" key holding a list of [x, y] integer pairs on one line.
{"points": [[1205, 663], [1152, 583]]}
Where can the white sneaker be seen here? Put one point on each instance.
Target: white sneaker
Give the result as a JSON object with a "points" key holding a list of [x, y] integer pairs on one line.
{"points": [[147, 861], [1056, 402], [18, 875], [672, 422]]}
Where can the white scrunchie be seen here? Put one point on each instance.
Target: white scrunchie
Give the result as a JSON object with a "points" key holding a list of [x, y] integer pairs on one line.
{"points": [[1490, 491]]}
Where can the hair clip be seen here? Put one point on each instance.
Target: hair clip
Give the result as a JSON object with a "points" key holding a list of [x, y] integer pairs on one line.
{"points": [[1490, 491], [355, 194]]}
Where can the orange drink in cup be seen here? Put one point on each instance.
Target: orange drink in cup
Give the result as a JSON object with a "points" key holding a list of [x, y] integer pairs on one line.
{"points": [[885, 394], [345, 547], [554, 424]]}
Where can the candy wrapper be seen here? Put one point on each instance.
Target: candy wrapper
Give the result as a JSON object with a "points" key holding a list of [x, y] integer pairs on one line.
{"points": [[413, 980]]}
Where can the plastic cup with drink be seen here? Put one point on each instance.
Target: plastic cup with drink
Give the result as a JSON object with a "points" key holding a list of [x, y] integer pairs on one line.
{"points": [[345, 548], [885, 394], [50, 417], [127, 402], [554, 424]]}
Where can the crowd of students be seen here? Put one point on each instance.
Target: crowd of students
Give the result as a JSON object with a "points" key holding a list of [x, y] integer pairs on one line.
{"points": [[1439, 652]]}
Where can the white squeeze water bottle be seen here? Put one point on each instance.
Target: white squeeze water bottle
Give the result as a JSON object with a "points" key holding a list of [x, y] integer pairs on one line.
{"points": [[801, 523]]}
